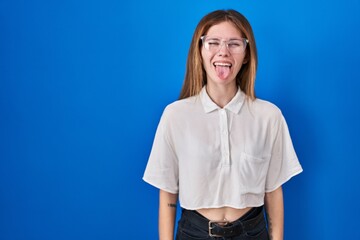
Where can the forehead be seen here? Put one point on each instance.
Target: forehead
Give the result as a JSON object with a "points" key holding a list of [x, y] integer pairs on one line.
{"points": [[224, 30]]}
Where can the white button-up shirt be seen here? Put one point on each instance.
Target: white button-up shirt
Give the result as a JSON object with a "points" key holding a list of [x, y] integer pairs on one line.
{"points": [[215, 157]]}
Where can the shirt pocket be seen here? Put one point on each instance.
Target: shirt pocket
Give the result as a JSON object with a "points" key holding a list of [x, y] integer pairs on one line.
{"points": [[253, 172]]}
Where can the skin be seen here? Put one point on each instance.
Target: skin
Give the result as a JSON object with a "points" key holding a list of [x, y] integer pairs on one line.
{"points": [[221, 90], [274, 205], [167, 214]]}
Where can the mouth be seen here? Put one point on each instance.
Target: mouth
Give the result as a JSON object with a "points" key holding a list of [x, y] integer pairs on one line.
{"points": [[222, 64], [222, 69]]}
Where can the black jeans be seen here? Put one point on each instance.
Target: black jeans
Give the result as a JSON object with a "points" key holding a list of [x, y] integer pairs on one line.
{"points": [[251, 226]]}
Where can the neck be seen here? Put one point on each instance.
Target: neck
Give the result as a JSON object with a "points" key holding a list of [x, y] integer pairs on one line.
{"points": [[221, 95]]}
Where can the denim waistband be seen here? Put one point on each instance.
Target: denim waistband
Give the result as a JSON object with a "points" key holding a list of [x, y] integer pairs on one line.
{"points": [[245, 223]]}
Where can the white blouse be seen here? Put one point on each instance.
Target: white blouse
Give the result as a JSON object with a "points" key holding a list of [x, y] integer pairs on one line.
{"points": [[215, 157]]}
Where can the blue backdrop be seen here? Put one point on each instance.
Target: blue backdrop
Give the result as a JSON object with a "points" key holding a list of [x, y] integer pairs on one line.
{"points": [[83, 85]]}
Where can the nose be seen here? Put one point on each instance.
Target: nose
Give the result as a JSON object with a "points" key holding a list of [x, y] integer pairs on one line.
{"points": [[223, 50]]}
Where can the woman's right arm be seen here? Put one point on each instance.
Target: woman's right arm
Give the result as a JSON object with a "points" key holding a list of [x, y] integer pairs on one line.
{"points": [[167, 214]]}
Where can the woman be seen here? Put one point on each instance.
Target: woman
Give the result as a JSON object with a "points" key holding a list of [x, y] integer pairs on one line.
{"points": [[224, 153]]}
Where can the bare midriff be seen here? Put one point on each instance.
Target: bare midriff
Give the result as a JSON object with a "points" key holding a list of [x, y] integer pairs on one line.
{"points": [[223, 214]]}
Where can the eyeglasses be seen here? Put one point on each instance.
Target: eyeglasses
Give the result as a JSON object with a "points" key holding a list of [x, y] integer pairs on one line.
{"points": [[214, 45]]}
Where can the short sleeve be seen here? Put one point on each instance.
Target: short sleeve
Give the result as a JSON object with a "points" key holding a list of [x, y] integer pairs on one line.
{"points": [[284, 163], [162, 167]]}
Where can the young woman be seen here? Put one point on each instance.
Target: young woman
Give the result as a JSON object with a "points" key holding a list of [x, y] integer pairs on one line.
{"points": [[224, 153]]}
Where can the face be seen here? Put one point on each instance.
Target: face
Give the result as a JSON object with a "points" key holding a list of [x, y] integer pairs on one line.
{"points": [[222, 66]]}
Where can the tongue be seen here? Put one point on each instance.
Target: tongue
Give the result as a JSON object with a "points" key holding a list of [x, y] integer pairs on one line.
{"points": [[222, 72]]}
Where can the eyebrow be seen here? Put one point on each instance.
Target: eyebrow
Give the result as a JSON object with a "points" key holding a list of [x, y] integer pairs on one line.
{"points": [[230, 39]]}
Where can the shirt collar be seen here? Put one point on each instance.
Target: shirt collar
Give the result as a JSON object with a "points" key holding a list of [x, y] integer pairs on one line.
{"points": [[234, 105]]}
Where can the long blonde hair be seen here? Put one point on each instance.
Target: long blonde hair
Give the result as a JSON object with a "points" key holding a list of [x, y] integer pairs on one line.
{"points": [[195, 75]]}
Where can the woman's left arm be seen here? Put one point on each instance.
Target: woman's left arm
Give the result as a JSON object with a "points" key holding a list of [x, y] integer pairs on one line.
{"points": [[274, 204]]}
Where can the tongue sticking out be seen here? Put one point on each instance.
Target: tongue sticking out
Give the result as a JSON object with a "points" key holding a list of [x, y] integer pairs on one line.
{"points": [[222, 71]]}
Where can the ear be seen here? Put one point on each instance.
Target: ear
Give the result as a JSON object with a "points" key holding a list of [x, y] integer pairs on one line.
{"points": [[246, 59]]}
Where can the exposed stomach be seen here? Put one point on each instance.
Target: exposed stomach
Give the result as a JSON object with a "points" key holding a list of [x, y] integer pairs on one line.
{"points": [[223, 214]]}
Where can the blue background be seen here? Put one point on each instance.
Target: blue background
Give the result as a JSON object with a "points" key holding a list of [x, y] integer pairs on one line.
{"points": [[83, 85]]}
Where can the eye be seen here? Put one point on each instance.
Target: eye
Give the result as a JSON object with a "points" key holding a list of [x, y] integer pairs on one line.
{"points": [[234, 44], [213, 43]]}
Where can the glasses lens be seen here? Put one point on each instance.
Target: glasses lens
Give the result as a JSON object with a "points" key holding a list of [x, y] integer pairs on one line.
{"points": [[236, 46]]}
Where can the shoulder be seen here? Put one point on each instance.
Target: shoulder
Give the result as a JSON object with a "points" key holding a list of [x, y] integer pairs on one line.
{"points": [[178, 112], [182, 106], [264, 109], [264, 106]]}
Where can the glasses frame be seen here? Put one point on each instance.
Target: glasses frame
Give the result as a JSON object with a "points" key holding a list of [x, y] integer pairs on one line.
{"points": [[226, 42]]}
